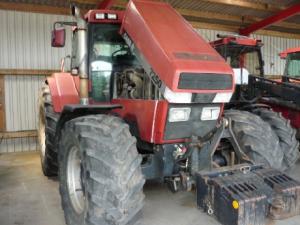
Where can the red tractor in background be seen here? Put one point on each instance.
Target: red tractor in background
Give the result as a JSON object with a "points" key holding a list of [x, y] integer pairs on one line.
{"points": [[288, 89], [144, 99], [260, 95]]}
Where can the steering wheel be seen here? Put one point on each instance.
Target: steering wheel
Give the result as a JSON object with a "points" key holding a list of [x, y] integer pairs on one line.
{"points": [[126, 51]]}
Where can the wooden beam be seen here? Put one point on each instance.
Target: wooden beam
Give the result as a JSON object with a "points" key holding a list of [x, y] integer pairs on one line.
{"points": [[229, 28], [36, 8], [278, 34], [200, 14], [248, 4], [26, 72], [239, 3], [278, 17], [232, 18], [211, 26], [92, 2], [18, 134]]}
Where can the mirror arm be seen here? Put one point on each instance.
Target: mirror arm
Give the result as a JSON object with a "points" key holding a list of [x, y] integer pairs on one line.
{"points": [[62, 64], [63, 23]]}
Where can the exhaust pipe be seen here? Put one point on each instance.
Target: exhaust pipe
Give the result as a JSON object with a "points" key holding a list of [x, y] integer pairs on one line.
{"points": [[82, 55]]}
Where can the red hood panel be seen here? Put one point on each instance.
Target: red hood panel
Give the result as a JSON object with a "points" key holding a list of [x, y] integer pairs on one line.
{"points": [[169, 43]]}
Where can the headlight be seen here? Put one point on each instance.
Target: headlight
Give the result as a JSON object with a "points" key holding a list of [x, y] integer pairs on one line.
{"points": [[210, 113], [179, 114]]}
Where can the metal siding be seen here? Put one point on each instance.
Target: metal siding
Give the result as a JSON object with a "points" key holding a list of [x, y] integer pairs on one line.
{"points": [[25, 44], [25, 40], [21, 96]]}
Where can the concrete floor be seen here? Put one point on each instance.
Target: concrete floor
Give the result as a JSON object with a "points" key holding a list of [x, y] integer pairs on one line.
{"points": [[29, 198]]}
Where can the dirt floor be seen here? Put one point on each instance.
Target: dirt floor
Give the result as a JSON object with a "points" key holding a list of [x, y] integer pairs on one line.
{"points": [[29, 198]]}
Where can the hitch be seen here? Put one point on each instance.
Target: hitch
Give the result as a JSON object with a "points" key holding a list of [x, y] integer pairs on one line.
{"points": [[203, 149], [181, 182], [246, 194]]}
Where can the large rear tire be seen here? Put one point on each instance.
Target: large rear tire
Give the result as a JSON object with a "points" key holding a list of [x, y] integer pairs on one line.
{"points": [[99, 172], [256, 138], [285, 132], [46, 133]]}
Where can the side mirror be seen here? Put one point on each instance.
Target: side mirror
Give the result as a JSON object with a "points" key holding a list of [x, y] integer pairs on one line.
{"points": [[58, 37]]}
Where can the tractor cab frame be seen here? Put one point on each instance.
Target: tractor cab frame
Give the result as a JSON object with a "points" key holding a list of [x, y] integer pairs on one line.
{"points": [[244, 55], [241, 52], [292, 64]]}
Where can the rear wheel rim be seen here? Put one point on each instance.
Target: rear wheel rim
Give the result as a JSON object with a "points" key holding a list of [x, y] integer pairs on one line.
{"points": [[74, 180]]}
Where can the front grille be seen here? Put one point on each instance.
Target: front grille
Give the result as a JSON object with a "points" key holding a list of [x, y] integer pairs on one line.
{"points": [[207, 81], [193, 127]]}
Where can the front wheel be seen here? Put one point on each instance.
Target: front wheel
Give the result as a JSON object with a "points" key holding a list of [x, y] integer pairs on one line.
{"points": [[47, 122], [99, 171]]}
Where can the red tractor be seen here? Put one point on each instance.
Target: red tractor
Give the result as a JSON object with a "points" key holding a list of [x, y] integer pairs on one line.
{"points": [[143, 100], [260, 95], [288, 89]]}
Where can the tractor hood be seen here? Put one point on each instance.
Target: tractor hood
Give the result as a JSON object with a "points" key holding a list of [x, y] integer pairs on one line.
{"points": [[181, 59]]}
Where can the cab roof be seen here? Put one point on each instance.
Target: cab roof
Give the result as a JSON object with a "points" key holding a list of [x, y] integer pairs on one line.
{"points": [[236, 40], [284, 54]]}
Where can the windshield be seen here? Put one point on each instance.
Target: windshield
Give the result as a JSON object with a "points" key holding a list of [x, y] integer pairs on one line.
{"points": [[107, 44], [293, 65], [247, 57], [108, 54]]}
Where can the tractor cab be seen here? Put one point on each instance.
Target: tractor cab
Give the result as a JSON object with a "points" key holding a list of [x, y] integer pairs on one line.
{"points": [[242, 53], [292, 65], [244, 56], [99, 52]]}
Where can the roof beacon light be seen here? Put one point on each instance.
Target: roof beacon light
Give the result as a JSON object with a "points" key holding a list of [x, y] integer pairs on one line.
{"points": [[100, 16], [112, 16]]}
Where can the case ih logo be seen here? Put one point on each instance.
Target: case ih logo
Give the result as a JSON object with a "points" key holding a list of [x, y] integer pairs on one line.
{"points": [[192, 56]]}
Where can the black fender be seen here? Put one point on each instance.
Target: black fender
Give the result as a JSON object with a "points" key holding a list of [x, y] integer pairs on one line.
{"points": [[76, 110]]}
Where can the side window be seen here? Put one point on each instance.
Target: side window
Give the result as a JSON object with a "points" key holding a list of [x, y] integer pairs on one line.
{"points": [[293, 65], [74, 60], [252, 63], [234, 61]]}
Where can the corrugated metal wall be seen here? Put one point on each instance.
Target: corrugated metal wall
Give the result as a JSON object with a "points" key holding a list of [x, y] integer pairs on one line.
{"points": [[25, 41], [21, 100], [25, 44]]}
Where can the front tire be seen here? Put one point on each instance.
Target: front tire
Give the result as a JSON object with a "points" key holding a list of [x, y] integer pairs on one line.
{"points": [[99, 171], [256, 138], [46, 133]]}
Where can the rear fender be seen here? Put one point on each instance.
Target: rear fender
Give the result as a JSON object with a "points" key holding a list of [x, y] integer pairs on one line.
{"points": [[63, 90]]}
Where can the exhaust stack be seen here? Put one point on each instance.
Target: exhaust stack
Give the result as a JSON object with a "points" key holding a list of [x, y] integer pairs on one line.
{"points": [[82, 55]]}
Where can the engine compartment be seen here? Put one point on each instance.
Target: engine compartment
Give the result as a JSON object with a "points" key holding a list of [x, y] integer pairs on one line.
{"points": [[123, 77]]}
